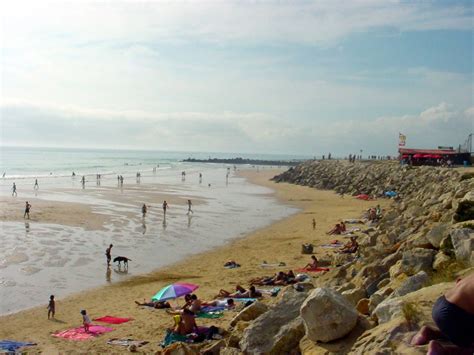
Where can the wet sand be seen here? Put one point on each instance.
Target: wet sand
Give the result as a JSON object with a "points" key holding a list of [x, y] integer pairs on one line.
{"points": [[281, 241]]}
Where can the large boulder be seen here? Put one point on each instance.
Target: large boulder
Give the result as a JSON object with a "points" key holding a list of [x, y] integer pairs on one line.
{"points": [[437, 234], [413, 283], [264, 334], [354, 295], [249, 313], [288, 337], [416, 260], [327, 315], [463, 243], [465, 208], [441, 261]]}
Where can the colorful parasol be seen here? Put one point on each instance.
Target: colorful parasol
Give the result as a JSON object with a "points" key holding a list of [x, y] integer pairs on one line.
{"points": [[175, 290]]}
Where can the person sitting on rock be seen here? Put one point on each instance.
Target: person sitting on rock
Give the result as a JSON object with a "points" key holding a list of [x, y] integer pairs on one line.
{"points": [[351, 247], [453, 314], [336, 230]]}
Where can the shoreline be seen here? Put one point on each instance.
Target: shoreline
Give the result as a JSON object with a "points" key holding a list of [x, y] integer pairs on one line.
{"points": [[280, 241]]}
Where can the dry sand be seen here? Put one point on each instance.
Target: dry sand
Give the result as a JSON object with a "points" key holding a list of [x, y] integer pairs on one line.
{"points": [[280, 241]]}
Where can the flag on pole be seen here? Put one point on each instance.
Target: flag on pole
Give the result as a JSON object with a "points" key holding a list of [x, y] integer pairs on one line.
{"points": [[401, 140]]}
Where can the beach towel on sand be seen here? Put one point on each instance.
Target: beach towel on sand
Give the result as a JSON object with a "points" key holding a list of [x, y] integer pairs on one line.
{"points": [[12, 346], [112, 320], [316, 269], [210, 315], [80, 333], [127, 342]]}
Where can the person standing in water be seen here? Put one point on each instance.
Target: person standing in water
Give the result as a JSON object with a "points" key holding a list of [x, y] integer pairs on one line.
{"points": [[27, 210], [189, 207], [36, 187], [108, 254], [144, 210], [165, 206], [14, 190]]}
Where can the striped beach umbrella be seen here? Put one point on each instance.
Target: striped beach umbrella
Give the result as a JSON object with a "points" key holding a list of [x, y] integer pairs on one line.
{"points": [[175, 290]]}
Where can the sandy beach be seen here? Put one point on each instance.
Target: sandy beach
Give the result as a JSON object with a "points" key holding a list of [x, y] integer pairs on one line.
{"points": [[279, 242]]}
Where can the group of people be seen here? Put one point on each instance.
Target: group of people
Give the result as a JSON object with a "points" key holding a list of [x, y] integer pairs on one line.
{"points": [[374, 214]]}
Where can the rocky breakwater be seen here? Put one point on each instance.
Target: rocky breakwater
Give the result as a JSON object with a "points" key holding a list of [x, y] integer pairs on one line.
{"points": [[376, 302]]}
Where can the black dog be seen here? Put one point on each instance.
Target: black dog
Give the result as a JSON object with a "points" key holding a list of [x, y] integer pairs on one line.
{"points": [[122, 258]]}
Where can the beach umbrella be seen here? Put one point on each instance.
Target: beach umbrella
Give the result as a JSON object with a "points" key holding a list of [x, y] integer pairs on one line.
{"points": [[175, 290]]}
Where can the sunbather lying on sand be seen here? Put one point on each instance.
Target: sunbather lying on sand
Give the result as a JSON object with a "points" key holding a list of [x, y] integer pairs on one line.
{"points": [[351, 247], [228, 303], [154, 304], [238, 291], [453, 314], [280, 279], [242, 293]]}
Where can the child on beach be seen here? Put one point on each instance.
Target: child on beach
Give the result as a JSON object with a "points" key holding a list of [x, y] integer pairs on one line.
{"points": [[51, 307], [86, 321]]}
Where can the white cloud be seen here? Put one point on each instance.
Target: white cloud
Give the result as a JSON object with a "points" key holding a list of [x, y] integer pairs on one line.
{"points": [[24, 122]]}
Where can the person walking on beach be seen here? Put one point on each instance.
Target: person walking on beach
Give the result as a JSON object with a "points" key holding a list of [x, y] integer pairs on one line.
{"points": [[165, 206], [144, 210], [51, 307], [27, 210], [108, 254], [14, 190], [189, 207], [36, 187], [314, 224]]}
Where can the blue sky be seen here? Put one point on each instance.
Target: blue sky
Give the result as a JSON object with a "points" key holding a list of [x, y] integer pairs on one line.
{"points": [[283, 77]]}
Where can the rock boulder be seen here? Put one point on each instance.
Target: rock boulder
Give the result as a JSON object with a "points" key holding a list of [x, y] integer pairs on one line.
{"points": [[327, 315]]}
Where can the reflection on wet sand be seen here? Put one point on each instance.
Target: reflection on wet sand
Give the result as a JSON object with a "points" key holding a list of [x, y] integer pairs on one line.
{"points": [[121, 270], [108, 274]]}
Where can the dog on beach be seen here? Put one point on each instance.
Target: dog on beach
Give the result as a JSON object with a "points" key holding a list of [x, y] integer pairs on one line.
{"points": [[125, 260]]}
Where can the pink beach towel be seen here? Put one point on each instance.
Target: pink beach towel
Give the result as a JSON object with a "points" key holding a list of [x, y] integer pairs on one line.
{"points": [[112, 320], [317, 269], [80, 334]]}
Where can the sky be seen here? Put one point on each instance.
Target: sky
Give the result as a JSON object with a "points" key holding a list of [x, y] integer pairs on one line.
{"points": [[286, 77]]}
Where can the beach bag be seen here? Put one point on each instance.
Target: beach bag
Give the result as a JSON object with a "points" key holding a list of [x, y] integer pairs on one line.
{"points": [[307, 248]]}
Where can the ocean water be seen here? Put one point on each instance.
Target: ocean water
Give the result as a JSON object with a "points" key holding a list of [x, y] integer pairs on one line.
{"points": [[40, 259]]}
